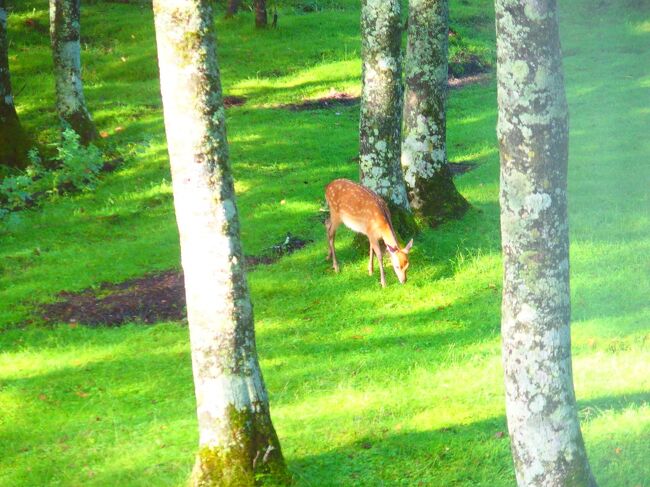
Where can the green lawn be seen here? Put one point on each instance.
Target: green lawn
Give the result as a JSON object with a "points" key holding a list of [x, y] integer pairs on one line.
{"points": [[400, 386]]}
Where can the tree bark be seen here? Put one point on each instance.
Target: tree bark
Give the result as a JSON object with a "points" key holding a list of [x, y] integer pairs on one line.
{"points": [[381, 107], [66, 51], [429, 182], [14, 142], [547, 444], [237, 439], [232, 8], [261, 17]]}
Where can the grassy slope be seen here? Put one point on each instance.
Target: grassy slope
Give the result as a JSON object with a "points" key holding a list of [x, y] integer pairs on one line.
{"points": [[368, 387]]}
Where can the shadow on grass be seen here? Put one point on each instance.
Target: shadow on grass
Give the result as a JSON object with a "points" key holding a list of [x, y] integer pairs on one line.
{"points": [[120, 400], [466, 454]]}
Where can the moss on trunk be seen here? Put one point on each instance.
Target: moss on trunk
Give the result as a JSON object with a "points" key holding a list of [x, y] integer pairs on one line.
{"points": [[546, 441], [237, 441], [380, 118], [442, 201], [14, 142], [429, 182], [256, 457], [66, 53]]}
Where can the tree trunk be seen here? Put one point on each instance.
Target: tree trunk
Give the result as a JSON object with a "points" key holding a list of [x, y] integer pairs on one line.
{"points": [[232, 8], [381, 108], [429, 181], [14, 142], [66, 51], [237, 439], [261, 18], [546, 441]]}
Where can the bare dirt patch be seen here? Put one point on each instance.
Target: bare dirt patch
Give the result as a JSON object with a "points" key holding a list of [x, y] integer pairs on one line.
{"points": [[458, 168], [157, 297], [337, 98], [455, 83], [233, 101], [149, 299], [334, 98]]}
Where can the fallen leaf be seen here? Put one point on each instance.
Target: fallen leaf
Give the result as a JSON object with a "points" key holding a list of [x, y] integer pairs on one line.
{"points": [[119, 129], [81, 394], [42, 397], [618, 450], [499, 434], [103, 134]]}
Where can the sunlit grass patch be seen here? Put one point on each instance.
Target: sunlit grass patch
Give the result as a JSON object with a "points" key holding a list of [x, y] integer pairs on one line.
{"points": [[368, 386]]}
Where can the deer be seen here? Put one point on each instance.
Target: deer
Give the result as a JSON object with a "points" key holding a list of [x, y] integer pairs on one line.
{"points": [[363, 211]]}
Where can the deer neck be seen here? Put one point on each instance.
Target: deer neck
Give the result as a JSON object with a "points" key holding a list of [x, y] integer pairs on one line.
{"points": [[388, 236]]}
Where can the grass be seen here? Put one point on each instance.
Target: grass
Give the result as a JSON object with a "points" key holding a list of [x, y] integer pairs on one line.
{"points": [[400, 386]]}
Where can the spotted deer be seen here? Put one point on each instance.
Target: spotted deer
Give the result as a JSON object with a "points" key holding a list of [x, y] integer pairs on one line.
{"points": [[362, 211]]}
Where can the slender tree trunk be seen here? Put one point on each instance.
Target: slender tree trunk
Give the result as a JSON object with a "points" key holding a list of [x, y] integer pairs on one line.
{"points": [[261, 17], [381, 107], [237, 439], [66, 51], [14, 142], [429, 181], [233, 8], [547, 444]]}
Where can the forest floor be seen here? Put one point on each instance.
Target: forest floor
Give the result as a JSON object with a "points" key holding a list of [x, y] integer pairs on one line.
{"points": [[368, 386]]}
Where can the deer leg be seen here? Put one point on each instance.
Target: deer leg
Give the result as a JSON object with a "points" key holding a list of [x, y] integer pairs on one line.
{"points": [[370, 262], [380, 259], [328, 223], [331, 235]]}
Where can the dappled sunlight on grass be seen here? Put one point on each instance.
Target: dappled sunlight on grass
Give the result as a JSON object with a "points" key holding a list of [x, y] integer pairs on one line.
{"points": [[641, 27], [368, 386], [309, 82]]}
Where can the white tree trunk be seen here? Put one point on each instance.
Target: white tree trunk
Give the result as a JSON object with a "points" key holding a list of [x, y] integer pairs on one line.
{"points": [[381, 104], [237, 440], [66, 52], [547, 444], [429, 181]]}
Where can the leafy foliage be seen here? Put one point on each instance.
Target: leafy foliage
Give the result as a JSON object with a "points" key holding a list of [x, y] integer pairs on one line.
{"points": [[367, 387], [76, 169], [80, 165]]}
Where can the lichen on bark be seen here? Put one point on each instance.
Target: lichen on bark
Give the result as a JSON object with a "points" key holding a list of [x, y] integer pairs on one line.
{"points": [[237, 442], [381, 104], [65, 18], [14, 141], [429, 182], [546, 442]]}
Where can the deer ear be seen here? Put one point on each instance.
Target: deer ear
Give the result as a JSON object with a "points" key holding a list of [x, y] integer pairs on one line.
{"points": [[392, 250], [408, 247]]}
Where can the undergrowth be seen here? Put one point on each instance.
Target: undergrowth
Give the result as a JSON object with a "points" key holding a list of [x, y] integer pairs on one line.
{"points": [[368, 386]]}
